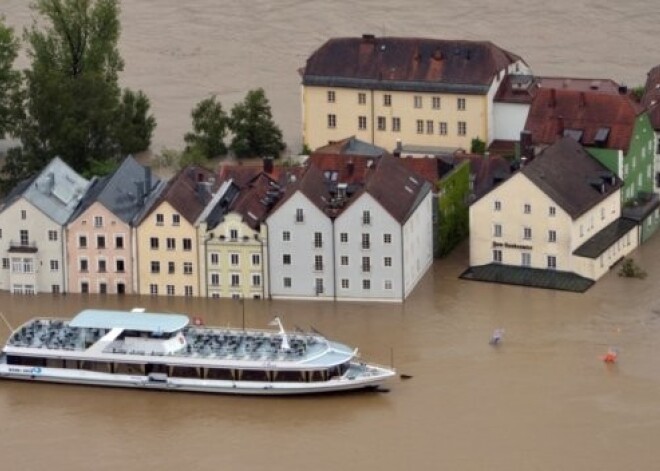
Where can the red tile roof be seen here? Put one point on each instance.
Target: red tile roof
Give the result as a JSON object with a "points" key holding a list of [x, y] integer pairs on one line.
{"points": [[554, 111], [250, 202]]}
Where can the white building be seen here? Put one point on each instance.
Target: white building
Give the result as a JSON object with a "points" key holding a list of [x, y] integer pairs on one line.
{"points": [[300, 241], [372, 241], [555, 224], [384, 237], [32, 237]]}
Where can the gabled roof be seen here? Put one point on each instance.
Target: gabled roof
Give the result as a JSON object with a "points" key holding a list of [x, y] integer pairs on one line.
{"points": [[188, 192], [487, 171], [123, 192], [56, 191], [339, 168], [584, 114], [398, 189], [255, 201], [312, 184], [571, 177], [351, 146], [396, 63]]}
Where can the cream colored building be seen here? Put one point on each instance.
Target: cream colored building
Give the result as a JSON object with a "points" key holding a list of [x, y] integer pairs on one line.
{"points": [[233, 241], [166, 236], [559, 213], [423, 92]]}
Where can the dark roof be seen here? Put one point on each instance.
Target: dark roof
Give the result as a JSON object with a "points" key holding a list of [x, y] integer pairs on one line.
{"points": [[398, 189], [525, 276], [517, 89], [339, 168], [222, 203], [604, 239], [488, 171], [189, 191], [429, 168], [392, 63], [312, 184], [255, 201], [554, 112], [351, 146], [571, 177], [123, 192], [651, 98], [523, 88]]}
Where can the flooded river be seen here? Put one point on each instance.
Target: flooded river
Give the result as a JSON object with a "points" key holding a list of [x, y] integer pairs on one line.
{"points": [[543, 400]]}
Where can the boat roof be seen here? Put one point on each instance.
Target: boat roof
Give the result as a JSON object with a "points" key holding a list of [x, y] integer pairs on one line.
{"points": [[140, 321]]}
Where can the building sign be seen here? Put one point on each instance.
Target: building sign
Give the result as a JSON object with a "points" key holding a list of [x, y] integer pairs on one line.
{"points": [[507, 245]]}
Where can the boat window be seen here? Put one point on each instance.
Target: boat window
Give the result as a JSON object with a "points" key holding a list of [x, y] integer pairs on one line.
{"points": [[26, 361], [185, 372], [129, 369], [284, 376], [254, 375], [99, 366], [157, 368], [318, 375], [219, 373]]}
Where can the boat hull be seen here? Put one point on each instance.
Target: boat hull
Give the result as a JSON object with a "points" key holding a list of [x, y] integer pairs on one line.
{"points": [[88, 378]]}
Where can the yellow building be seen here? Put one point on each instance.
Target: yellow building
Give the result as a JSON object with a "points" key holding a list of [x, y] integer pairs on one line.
{"points": [[422, 92], [556, 223], [166, 236], [233, 239]]}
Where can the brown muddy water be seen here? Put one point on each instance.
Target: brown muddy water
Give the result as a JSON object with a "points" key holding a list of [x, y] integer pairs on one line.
{"points": [[543, 400]]}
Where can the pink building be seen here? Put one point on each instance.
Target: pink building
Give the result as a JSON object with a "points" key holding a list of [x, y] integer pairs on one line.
{"points": [[99, 236]]}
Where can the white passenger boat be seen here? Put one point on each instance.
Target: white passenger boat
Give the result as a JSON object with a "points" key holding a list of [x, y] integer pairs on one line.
{"points": [[168, 352]]}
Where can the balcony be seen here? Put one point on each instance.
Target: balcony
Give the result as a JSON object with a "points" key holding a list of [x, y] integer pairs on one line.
{"points": [[22, 246]]}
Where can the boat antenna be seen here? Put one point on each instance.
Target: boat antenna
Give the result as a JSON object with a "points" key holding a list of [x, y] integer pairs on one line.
{"points": [[4, 319], [285, 338]]}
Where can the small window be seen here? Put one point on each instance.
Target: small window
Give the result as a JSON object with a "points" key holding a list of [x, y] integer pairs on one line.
{"points": [[344, 260], [366, 264], [442, 127], [388, 284], [497, 256], [286, 236], [527, 208], [155, 267], [332, 121], [527, 233], [366, 243], [417, 101], [170, 290], [318, 285], [234, 259], [98, 221], [382, 123], [256, 280], [102, 266], [171, 243], [160, 219], [300, 217], [526, 259], [366, 284], [462, 128], [215, 258], [287, 282], [82, 242], [318, 240], [318, 262], [215, 279], [153, 243], [552, 236], [497, 230], [429, 126], [100, 242], [176, 219], [5, 263], [54, 265], [286, 259], [387, 101], [396, 124], [187, 244], [552, 210], [23, 214], [171, 268], [331, 96], [153, 289], [52, 236], [460, 104], [362, 123], [420, 126], [435, 101], [362, 98], [343, 237], [387, 238], [387, 261], [235, 280], [119, 266], [366, 217], [119, 242], [188, 291], [233, 234], [497, 206], [256, 259], [187, 268], [84, 265], [344, 283], [552, 262]]}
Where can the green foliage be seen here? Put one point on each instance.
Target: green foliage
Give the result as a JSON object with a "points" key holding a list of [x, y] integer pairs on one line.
{"points": [[305, 150], [477, 146], [638, 92], [192, 156], [73, 104], [453, 212], [630, 270], [100, 168], [169, 158], [10, 80], [255, 133], [210, 124], [137, 125]]}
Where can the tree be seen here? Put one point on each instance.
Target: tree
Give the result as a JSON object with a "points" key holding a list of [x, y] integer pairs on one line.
{"points": [[73, 105], [477, 146], [10, 80], [255, 133], [210, 123], [136, 126]]}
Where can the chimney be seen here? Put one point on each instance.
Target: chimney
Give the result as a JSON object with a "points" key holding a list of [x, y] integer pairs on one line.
{"points": [[526, 145], [268, 165], [560, 126], [623, 89], [583, 100], [350, 167], [553, 98]]}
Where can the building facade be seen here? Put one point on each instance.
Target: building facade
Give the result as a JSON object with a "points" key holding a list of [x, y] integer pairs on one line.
{"points": [[417, 91], [101, 256], [32, 230], [547, 219]]}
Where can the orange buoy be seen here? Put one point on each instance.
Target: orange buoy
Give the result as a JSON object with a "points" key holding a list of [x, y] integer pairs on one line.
{"points": [[610, 356]]}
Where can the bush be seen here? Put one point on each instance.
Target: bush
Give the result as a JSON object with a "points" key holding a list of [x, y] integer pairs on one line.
{"points": [[630, 270]]}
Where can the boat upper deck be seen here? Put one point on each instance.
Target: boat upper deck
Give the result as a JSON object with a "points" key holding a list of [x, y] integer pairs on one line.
{"points": [[193, 343]]}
